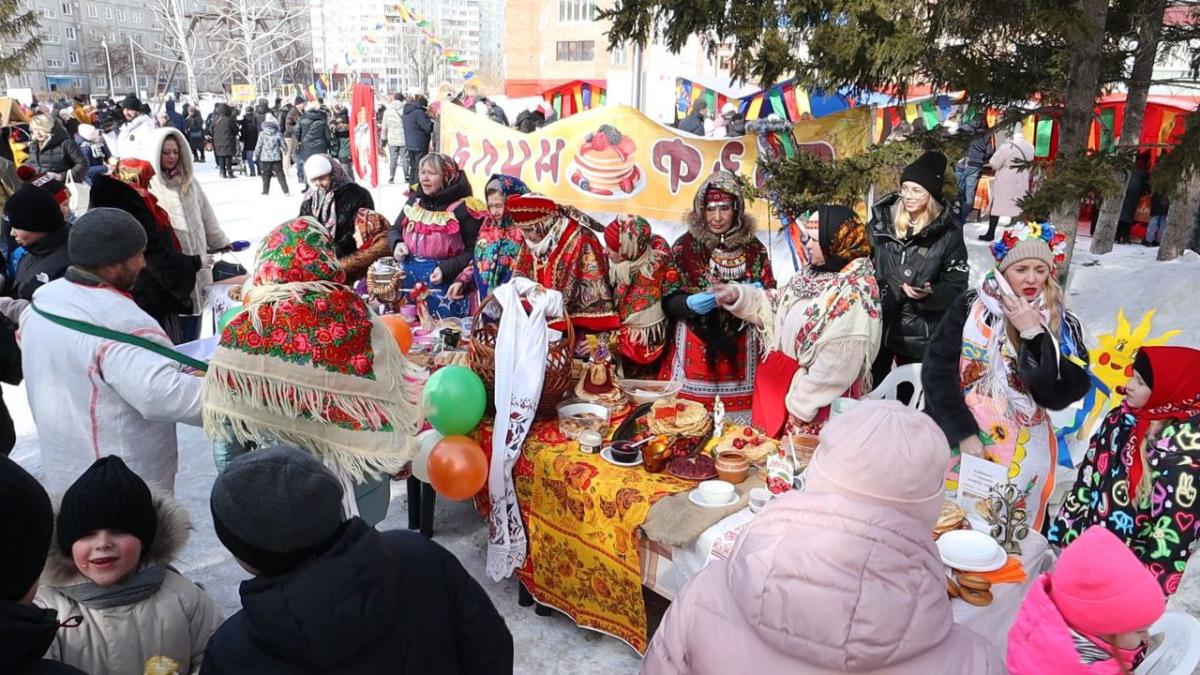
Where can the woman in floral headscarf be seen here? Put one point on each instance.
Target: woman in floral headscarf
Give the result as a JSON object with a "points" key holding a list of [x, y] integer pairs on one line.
{"points": [[1004, 355], [639, 266], [713, 353], [821, 330], [434, 236], [499, 243], [307, 363]]}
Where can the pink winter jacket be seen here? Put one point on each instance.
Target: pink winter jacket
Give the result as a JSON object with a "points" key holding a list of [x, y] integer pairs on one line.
{"points": [[1040, 641], [821, 583]]}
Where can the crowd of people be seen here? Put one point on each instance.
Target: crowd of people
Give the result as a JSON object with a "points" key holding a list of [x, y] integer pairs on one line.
{"points": [[312, 408]]}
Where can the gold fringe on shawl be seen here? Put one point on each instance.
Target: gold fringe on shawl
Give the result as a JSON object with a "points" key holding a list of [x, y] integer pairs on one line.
{"points": [[255, 397]]}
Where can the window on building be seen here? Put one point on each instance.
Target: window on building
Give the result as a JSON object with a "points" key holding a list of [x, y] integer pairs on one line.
{"points": [[576, 50], [617, 57], [73, 58], [71, 34], [576, 10], [51, 39], [54, 63], [68, 9], [100, 81], [137, 17], [108, 13], [142, 81], [48, 13], [93, 12], [121, 16]]}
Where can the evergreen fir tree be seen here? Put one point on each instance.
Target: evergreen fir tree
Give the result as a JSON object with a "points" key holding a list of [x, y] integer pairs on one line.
{"points": [[20, 27]]}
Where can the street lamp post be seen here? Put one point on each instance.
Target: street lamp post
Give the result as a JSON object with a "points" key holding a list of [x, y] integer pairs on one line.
{"points": [[133, 64], [108, 59]]}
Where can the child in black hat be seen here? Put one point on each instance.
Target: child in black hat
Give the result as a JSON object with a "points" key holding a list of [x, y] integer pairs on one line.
{"points": [[114, 541]]}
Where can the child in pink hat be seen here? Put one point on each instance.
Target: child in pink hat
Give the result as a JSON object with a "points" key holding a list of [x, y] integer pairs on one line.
{"points": [[1090, 614]]}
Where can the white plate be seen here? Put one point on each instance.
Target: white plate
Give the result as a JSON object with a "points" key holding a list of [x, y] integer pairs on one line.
{"points": [[971, 551], [606, 454], [694, 496]]}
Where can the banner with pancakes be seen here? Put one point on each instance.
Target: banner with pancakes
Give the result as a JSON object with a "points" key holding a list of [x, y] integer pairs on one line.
{"points": [[614, 159]]}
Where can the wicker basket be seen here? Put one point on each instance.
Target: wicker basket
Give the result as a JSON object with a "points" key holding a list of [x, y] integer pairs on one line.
{"points": [[481, 356]]}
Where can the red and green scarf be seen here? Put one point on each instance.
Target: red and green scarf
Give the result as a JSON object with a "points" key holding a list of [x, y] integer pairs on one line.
{"points": [[306, 362]]}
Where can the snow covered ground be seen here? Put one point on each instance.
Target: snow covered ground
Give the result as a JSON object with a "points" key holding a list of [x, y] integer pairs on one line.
{"points": [[1129, 278]]}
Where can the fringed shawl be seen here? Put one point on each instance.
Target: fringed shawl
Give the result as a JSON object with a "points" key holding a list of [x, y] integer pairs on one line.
{"points": [[307, 363]]}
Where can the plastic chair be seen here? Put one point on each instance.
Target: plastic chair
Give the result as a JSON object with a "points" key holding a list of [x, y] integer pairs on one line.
{"points": [[888, 390], [1179, 651]]}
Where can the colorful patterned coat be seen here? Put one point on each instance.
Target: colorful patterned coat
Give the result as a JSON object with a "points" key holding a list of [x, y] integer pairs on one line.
{"points": [[577, 268], [1160, 527]]}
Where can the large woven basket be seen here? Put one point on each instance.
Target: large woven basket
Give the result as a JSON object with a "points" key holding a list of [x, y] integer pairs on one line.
{"points": [[481, 356]]}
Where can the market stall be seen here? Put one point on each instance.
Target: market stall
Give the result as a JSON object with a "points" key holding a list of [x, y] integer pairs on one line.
{"points": [[576, 96]]}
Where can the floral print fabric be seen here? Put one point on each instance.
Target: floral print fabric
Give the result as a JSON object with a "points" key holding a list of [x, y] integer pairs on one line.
{"points": [[582, 516]]}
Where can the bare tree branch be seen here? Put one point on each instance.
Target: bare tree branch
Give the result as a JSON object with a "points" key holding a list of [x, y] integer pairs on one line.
{"points": [[257, 41]]}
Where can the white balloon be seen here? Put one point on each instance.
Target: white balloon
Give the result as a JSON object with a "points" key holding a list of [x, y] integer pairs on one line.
{"points": [[420, 463]]}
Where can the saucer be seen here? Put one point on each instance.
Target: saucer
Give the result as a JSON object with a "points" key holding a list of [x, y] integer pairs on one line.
{"points": [[694, 496]]}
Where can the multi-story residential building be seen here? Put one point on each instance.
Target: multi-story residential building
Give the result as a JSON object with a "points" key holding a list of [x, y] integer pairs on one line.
{"points": [[369, 36], [82, 39], [551, 42]]}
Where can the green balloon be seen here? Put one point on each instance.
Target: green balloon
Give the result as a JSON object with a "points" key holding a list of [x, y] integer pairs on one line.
{"points": [[454, 400], [229, 315]]}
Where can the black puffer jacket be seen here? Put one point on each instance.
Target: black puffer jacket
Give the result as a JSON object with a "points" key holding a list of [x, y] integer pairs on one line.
{"points": [[347, 200], [936, 255], [45, 260], [418, 128], [313, 132], [60, 155], [377, 602], [26, 632], [1053, 383], [224, 132]]}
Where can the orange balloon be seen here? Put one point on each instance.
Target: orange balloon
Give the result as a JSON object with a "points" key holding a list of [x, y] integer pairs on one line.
{"points": [[457, 468], [400, 331]]}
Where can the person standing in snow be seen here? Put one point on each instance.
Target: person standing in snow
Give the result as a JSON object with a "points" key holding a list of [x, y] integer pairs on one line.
{"points": [[418, 131], [178, 192], [248, 131], [194, 130], [225, 139], [393, 133], [313, 137], [269, 153], [93, 396]]}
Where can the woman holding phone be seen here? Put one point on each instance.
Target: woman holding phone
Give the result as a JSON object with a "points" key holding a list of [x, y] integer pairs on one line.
{"points": [[1002, 356], [920, 261]]}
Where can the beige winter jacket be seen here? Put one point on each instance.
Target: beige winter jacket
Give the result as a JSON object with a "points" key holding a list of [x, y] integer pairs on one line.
{"points": [[184, 201], [175, 622]]}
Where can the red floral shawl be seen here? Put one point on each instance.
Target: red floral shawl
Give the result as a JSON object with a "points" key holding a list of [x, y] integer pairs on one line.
{"points": [[306, 362]]}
